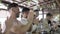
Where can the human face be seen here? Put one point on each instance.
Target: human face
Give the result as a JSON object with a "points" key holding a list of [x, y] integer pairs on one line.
{"points": [[16, 11], [25, 14], [49, 17], [35, 15]]}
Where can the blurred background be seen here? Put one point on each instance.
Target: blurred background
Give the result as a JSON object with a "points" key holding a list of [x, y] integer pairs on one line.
{"points": [[42, 6]]}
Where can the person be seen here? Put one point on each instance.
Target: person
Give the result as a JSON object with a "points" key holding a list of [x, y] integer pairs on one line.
{"points": [[13, 26], [25, 13], [24, 19], [35, 22], [47, 21]]}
